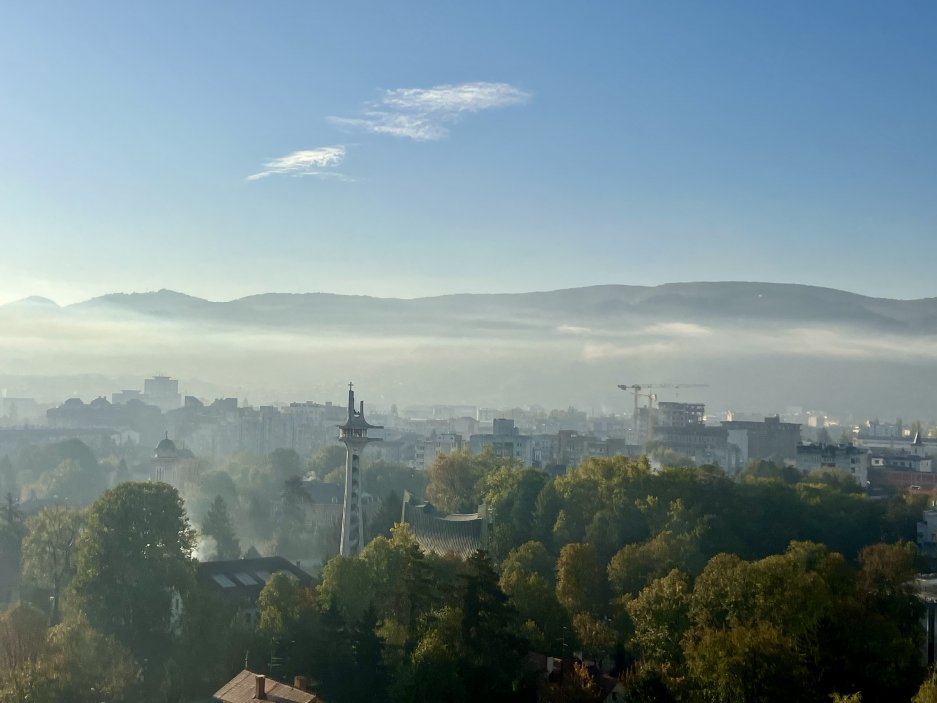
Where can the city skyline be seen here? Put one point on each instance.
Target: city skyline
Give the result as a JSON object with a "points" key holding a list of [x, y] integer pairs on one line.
{"points": [[224, 152]]}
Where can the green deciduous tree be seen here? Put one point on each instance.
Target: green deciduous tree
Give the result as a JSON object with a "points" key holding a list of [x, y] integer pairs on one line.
{"points": [[579, 580], [73, 482], [595, 635], [890, 623], [93, 667], [529, 580], [76, 664], [762, 468], [22, 636], [49, 550], [295, 630], [133, 556], [66, 471], [747, 664], [454, 480], [212, 643], [675, 546], [529, 558], [511, 493], [282, 602], [347, 586], [432, 674], [660, 614]]}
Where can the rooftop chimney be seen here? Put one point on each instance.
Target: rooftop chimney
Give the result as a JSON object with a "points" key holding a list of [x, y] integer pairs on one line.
{"points": [[260, 687], [299, 682]]}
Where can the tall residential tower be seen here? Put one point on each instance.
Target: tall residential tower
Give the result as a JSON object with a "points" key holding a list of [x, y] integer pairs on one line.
{"points": [[354, 433]]}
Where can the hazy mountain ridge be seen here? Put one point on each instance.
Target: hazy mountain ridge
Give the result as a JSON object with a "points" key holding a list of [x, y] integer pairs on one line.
{"points": [[758, 345], [732, 302]]}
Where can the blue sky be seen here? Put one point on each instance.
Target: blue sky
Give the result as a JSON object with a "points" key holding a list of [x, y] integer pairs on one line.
{"points": [[422, 148]]}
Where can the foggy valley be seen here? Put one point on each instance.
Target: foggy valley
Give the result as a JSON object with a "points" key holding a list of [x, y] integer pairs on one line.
{"points": [[759, 347], [484, 352]]}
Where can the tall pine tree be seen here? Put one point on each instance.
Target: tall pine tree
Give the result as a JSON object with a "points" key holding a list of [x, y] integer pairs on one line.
{"points": [[217, 525]]}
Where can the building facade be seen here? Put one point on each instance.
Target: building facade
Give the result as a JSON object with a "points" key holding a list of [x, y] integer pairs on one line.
{"points": [[846, 458]]}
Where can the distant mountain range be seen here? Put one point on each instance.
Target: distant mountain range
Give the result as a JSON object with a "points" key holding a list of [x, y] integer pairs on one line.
{"points": [[760, 346], [722, 302]]}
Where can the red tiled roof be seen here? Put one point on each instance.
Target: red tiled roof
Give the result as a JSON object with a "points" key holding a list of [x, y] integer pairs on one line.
{"points": [[241, 689]]}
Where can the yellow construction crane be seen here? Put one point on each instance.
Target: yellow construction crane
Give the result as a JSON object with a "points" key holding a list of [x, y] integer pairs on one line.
{"points": [[636, 389]]}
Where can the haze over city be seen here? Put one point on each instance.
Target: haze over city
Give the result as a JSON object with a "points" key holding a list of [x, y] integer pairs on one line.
{"points": [[516, 352]]}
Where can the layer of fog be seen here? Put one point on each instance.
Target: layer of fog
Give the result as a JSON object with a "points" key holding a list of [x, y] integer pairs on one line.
{"points": [[489, 359]]}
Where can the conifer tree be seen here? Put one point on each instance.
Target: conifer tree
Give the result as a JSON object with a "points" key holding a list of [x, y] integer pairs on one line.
{"points": [[217, 525]]}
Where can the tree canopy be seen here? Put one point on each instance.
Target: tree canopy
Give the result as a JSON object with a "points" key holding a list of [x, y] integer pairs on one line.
{"points": [[49, 550], [134, 555]]}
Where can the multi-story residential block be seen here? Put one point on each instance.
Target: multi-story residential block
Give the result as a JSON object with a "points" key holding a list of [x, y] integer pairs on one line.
{"points": [[505, 441], [428, 449], [900, 461], [842, 457], [163, 392], [771, 439]]}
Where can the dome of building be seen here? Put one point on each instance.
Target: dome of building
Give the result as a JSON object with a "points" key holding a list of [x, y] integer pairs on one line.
{"points": [[166, 449]]}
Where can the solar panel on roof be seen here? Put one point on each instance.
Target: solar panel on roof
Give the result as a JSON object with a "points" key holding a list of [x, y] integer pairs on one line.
{"points": [[223, 581], [263, 575], [245, 579]]}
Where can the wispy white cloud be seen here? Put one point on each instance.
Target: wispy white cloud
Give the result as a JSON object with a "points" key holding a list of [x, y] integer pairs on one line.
{"points": [[601, 352], [678, 329], [425, 114], [306, 162], [573, 329], [467, 97]]}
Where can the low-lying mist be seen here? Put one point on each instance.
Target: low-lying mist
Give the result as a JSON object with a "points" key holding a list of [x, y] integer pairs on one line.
{"points": [[835, 351]]}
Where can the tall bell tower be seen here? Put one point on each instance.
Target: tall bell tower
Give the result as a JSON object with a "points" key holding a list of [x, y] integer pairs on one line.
{"points": [[354, 433]]}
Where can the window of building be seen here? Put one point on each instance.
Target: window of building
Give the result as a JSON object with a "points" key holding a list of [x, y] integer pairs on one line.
{"points": [[245, 579], [223, 581]]}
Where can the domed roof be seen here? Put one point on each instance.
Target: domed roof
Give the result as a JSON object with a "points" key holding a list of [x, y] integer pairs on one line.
{"points": [[166, 449]]}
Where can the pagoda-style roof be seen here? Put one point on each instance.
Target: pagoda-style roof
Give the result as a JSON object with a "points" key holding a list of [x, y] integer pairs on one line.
{"points": [[459, 535], [356, 419]]}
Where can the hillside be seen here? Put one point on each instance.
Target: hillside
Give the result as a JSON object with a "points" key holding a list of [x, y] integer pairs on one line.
{"points": [[760, 346]]}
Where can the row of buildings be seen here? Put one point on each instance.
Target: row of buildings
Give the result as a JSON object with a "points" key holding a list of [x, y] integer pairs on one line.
{"points": [[533, 437]]}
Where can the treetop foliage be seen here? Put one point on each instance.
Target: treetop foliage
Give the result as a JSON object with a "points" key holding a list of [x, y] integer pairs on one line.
{"points": [[135, 552], [684, 583]]}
